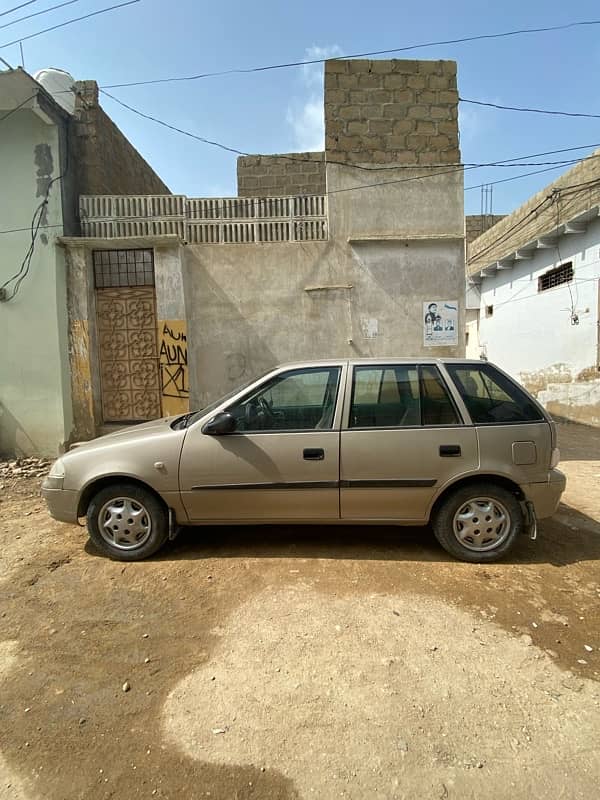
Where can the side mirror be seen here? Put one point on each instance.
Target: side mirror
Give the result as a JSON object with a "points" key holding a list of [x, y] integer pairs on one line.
{"points": [[220, 425]]}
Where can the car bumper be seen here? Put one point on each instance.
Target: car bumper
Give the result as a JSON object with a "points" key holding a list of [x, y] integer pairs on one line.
{"points": [[62, 503], [546, 496]]}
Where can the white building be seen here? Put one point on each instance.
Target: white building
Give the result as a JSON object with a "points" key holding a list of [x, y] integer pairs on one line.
{"points": [[533, 294]]}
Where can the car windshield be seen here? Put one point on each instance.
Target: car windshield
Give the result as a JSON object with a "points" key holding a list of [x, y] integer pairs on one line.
{"points": [[188, 419]]}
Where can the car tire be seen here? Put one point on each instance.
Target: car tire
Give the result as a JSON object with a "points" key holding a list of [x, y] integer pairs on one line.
{"points": [[479, 522], [127, 522]]}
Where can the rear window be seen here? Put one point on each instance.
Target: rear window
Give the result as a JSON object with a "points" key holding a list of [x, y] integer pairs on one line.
{"points": [[490, 397]]}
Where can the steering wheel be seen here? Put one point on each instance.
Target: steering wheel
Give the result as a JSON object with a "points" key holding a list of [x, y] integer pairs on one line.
{"points": [[265, 407]]}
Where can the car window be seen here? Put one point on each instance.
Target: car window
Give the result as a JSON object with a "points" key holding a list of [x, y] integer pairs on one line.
{"points": [[400, 396], [302, 399], [385, 397], [437, 407], [491, 397]]}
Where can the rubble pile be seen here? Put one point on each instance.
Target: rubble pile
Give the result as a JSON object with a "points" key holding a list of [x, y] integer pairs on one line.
{"points": [[24, 468]]}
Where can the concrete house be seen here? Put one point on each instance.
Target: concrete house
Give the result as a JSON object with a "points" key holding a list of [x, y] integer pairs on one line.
{"points": [[139, 303], [534, 294], [52, 149], [176, 300]]}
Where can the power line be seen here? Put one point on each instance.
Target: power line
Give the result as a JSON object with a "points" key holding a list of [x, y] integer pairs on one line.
{"points": [[174, 127], [531, 215], [16, 108], [521, 223], [16, 8], [285, 157], [37, 13], [69, 22], [42, 227], [529, 110], [524, 175], [246, 70], [576, 187]]}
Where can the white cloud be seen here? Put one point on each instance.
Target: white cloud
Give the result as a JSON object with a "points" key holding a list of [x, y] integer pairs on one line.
{"points": [[305, 112]]}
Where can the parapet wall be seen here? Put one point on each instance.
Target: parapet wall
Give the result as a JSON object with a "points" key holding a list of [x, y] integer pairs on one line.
{"points": [[285, 174]]}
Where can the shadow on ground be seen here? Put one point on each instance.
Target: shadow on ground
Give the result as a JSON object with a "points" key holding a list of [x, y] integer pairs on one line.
{"points": [[567, 538]]}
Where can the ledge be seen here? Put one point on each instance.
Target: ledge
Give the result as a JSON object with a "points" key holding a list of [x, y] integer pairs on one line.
{"points": [[415, 237], [120, 242]]}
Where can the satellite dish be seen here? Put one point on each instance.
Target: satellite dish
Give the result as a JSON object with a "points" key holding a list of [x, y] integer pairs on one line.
{"points": [[60, 85]]}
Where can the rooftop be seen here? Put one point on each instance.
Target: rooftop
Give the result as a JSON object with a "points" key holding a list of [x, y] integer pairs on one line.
{"points": [[564, 207]]}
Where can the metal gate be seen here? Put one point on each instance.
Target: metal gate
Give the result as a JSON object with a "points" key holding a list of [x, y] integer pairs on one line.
{"points": [[127, 340]]}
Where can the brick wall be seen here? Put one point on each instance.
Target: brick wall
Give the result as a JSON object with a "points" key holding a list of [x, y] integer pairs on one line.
{"points": [[476, 224], [290, 174], [106, 161], [391, 112]]}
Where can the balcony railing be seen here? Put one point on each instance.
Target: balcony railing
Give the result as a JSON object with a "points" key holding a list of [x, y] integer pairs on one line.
{"points": [[218, 220]]}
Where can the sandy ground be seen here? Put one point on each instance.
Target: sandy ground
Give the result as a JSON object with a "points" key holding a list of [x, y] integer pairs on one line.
{"points": [[299, 663]]}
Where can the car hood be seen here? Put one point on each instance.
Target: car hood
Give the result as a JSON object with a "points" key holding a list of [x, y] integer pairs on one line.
{"points": [[129, 434]]}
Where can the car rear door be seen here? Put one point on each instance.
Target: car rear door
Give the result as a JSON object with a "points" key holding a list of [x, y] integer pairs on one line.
{"points": [[515, 436], [402, 439]]}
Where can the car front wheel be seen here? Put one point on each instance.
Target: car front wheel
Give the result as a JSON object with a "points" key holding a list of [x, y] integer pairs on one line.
{"points": [[127, 522], [479, 522]]}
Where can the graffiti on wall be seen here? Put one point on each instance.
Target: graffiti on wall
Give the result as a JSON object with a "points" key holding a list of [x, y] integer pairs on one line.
{"points": [[173, 361]]}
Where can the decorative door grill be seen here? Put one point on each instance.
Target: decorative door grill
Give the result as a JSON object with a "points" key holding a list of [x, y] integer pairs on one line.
{"points": [[127, 336]]}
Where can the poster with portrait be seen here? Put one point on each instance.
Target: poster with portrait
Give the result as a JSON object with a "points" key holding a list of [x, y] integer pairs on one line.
{"points": [[440, 323]]}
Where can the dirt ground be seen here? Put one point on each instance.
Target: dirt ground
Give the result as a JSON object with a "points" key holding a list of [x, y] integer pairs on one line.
{"points": [[286, 662]]}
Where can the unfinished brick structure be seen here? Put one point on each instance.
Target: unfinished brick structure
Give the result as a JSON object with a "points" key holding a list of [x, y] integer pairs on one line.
{"points": [[107, 162], [289, 173], [478, 224], [391, 112]]}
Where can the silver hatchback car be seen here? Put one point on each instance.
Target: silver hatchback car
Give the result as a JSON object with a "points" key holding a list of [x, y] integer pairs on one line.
{"points": [[454, 443]]}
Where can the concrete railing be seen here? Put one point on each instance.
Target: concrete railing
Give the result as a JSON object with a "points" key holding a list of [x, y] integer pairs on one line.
{"points": [[218, 220]]}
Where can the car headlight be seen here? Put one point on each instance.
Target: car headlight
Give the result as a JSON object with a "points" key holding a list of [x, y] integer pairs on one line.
{"points": [[57, 470], [56, 476]]}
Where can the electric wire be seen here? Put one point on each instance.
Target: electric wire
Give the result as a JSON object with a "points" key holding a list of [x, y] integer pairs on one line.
{"points": [[517, 177], [522, 223], [38, 13], [36, 223], [288, 157], [16, 108], [584, 186], [68, 22], [422, 45], [529, 110], [16, 8], [574, 316], [518, 225]]}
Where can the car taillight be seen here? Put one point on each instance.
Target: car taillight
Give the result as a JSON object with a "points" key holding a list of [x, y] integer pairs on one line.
{"points": [[555, 457]]}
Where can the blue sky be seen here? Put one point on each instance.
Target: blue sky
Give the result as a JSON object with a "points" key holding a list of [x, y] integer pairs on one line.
{"points": [[279, 111]]}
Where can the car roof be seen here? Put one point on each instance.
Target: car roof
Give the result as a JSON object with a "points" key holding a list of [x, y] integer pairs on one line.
{"points": [[378, 360]]}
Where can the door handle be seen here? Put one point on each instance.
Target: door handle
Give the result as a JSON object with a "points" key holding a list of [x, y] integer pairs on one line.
{"points": [[450, 450], [313, 454]]}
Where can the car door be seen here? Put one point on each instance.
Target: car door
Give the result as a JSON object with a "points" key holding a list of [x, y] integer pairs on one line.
{"points": [[402, 438], [282, 460]]}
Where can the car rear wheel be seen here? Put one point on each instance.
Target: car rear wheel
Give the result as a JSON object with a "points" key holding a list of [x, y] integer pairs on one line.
{"points": [[127, 522], [479, 522]]}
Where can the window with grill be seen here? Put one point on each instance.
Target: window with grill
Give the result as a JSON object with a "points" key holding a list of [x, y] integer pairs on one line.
{"points": [[123, 268], [556, 276]]}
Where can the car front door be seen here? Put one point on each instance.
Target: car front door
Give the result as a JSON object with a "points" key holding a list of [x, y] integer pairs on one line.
{"points": [[402, 439], [281, 462]]}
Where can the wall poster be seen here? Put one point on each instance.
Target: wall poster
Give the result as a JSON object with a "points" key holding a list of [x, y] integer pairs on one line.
{"points": [[440, 323]]}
